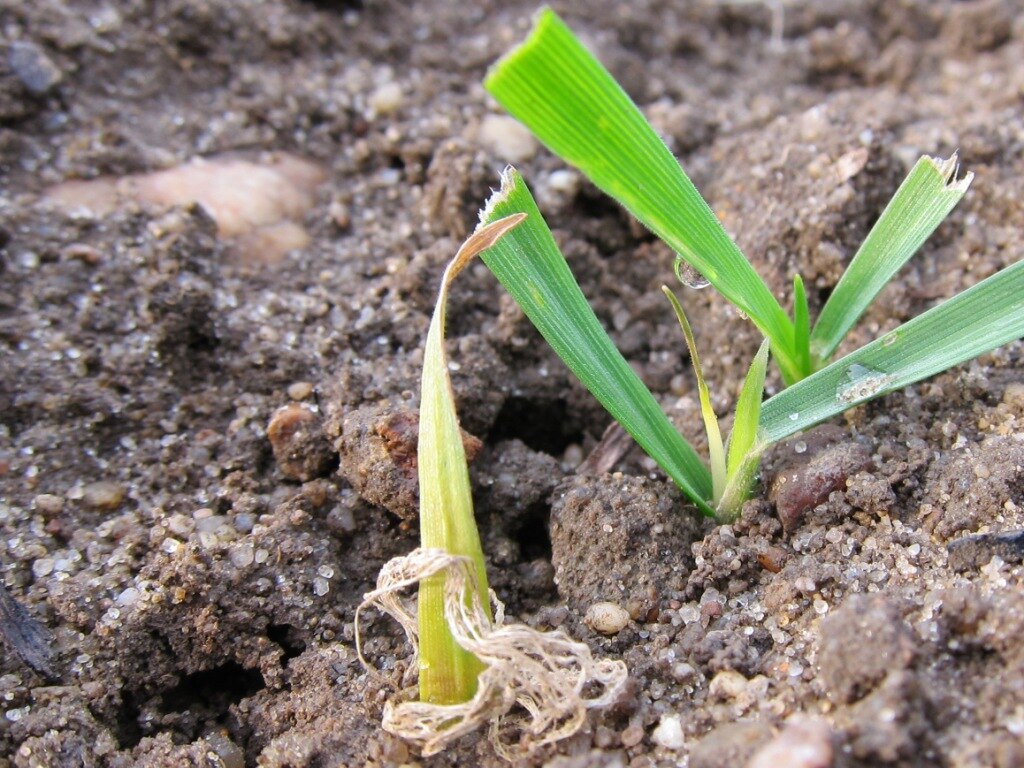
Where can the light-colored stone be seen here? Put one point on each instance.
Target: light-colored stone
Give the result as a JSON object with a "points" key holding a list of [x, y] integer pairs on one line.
{"points": [[259, 204], [386, 99], [804, 742], [300, 390], [507, 138], [103, 495], [48, 504], [669, 733], [606, 618]]}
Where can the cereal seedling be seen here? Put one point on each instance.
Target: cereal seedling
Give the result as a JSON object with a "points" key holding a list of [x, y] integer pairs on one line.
{"points": [[473, 667], [529, 265], [448, 673], [573, 105]]}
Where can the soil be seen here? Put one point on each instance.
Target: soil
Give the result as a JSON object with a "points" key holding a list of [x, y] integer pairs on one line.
{"points": [[206, 432]]}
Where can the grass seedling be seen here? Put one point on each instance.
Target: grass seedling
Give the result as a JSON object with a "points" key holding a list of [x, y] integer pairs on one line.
{"points": [[473, 667], [529, 265], [573, 105], [448, 673]]}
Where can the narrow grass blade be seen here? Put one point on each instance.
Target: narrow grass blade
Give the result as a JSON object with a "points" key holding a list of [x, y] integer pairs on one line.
{"points": [[528, 263], [745, 443], [574, 106], [922, 201], [976, 321], [716, 450], [448, 673], [801, 329], [748, 411]]}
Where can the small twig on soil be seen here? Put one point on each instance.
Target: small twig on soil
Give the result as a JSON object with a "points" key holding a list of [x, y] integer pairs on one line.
{"points": [[615, 443], [29, 639]]}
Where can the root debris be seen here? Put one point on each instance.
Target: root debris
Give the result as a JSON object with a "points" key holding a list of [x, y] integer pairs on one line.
{"points": [[537, 686]]}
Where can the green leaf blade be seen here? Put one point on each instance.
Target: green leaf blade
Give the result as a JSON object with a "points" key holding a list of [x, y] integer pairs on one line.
{"points": [[920, 204], [745, 442], [553, 85], [716, 451], [976, 321], [530, 266], [801, 329], [748, 411]]}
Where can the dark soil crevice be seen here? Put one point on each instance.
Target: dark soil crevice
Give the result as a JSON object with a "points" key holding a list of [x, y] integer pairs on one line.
{"points": [[544, 425]]}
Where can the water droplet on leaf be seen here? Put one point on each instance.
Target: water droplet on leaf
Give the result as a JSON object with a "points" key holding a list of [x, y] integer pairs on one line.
{"points": [[688, 275], [862, 383]]}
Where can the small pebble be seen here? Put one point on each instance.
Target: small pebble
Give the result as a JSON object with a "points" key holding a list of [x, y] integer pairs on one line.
{"points": [[564, 182], [386, 99], [244, 522], [805, 742], [300, 390], [129, 597], [973, 552], [341, 519], [81, 252], [632, 735], [805, 584], [1013, 396], [42, 567], [396, 752], [180, 525], [103, 495], [242, 556], [33, 67], [727, 684], [229, 754], [300, 448], [210, 524], [606, 618], [507, 138], [48, 504], [260, 206], [338, 213], [683, 672], [171, 546], [669, 733]]}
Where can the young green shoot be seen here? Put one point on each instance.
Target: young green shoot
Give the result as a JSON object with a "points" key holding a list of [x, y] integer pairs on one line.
{"points": [[531, 687], [528, 263], [973, 322], [447, 672], [563, 94], [746, 441], [731, 477], [716, 448]]}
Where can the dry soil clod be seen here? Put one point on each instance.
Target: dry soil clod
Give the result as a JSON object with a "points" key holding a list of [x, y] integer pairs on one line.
{"points": [[300, 448]]}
